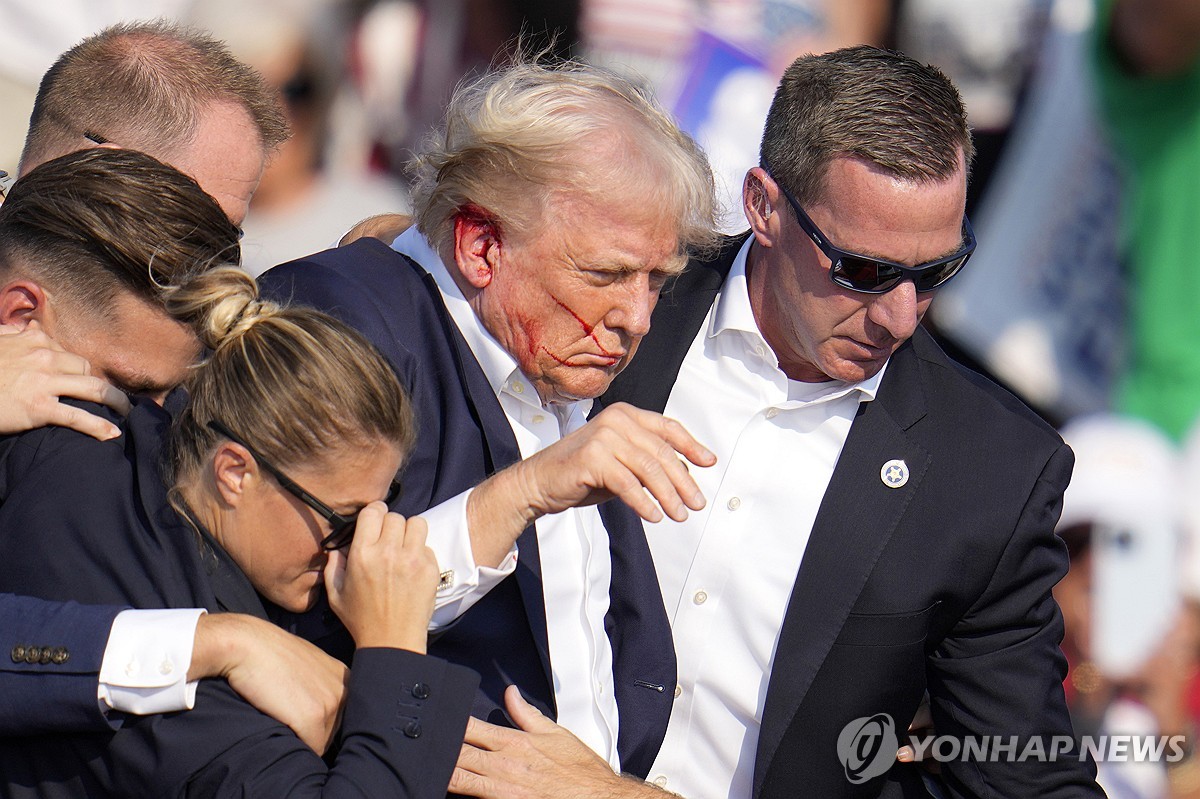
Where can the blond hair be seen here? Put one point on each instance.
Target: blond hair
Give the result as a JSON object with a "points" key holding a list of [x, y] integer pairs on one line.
{"points": [[519, 136], [293, 382]]}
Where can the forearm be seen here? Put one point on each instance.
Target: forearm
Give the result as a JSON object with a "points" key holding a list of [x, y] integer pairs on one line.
{"points": [[220, 644], [497, 513]]}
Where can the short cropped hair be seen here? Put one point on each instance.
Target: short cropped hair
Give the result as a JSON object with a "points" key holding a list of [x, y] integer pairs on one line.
{"points": [[885, 108], [520, 136], [144, 85], [96, 222]]}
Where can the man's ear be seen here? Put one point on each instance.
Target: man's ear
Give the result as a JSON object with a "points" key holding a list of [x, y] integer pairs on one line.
{"points": [[477, 245], [23, 302], [760, 198], [234, 472]]}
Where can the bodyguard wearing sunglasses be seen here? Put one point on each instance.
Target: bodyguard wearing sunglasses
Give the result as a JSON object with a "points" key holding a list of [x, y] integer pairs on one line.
{"points": [[884, 516], [880, 520]]}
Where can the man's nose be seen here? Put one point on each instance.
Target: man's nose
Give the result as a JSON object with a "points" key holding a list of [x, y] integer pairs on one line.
{"points": [[896, 311], [632, 314]]}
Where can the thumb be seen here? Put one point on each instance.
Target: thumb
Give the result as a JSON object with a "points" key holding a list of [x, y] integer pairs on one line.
{"points": [[526, 716]]}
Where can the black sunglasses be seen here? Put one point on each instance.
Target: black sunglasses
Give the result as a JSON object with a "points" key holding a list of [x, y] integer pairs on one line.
{"points": [[869, 275], [341, 528]]}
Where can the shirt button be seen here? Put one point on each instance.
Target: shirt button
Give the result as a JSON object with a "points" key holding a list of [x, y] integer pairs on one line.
{"points": [[660, 781], [772, 413], [166, 667], [700, 597], [734, 503], [678, 691], [131, 668], [518, 387], [538, 419]]}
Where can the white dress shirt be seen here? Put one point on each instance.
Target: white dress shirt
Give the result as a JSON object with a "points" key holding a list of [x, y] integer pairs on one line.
{"points": [[573, 546], [146, 661], [727, 572]]}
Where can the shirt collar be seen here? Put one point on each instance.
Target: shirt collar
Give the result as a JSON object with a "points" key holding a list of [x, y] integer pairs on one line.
{"points": [[733, 315], [499, 367]]}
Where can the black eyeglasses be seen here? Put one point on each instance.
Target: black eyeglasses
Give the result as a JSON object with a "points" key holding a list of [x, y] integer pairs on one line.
{"points": [[341, 528], [869, 275]]}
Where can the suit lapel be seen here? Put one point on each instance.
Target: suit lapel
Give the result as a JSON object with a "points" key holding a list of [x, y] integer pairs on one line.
{"points": [[499, 451], [855, 521]]}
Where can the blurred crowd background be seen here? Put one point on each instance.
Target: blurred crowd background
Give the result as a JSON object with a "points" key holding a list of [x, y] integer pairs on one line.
{"points": [[1083, 297]]}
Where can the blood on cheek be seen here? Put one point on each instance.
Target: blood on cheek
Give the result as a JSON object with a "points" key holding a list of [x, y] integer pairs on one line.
{"points": [[588, 330], [531, 329]]}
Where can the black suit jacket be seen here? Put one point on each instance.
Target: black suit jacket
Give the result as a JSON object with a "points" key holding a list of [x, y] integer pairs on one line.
{"points": [[941, 585], [89, 521], [60, 693], [463, 437]]}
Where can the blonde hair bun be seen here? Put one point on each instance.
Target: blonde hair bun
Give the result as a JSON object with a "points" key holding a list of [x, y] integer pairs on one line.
{"points": [[222, 305]]}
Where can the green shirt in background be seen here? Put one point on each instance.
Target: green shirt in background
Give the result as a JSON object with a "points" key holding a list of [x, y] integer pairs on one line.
{"points": [[1155, 128]]}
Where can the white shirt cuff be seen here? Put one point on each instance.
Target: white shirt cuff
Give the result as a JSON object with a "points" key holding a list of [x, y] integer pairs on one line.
{"points": [[464, 582], [146, 662]]}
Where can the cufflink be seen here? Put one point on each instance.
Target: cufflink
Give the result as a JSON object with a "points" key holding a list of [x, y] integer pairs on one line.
{"points": [[445, 580]]}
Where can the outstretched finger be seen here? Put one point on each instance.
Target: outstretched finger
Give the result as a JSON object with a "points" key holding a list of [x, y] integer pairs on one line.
{"points": [[627, 486], [666, 478], [683, 442], [669, 430], [487, 736], [92, 389], [61, 415], [416, 531], [468, 783]]}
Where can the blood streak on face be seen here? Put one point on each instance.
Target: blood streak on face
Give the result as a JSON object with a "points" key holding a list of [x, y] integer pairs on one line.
{"points": [[588, 330], [570, 299]]}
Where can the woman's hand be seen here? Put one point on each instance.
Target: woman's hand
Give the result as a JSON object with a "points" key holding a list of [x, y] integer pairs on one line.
{"points": [[383, 587], [35, 373]]}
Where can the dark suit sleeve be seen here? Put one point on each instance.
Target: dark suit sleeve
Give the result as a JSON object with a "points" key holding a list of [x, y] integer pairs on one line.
{"points": [[999, 672], [51, 696], [403, 725]]}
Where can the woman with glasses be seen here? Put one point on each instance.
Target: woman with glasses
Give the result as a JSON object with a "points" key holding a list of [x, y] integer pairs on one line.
{"points": [[261, 492]]}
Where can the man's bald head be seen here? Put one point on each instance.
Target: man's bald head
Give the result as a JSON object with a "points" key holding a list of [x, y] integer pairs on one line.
{"points": [[174, 93]]}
